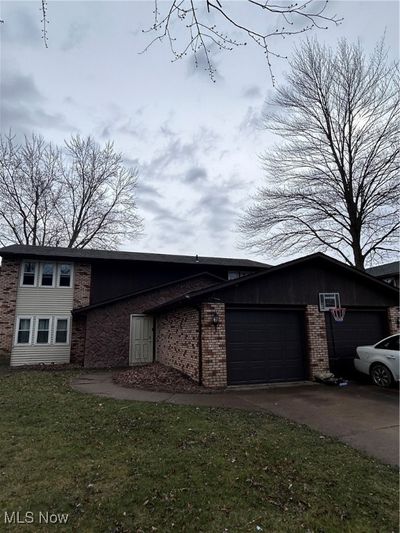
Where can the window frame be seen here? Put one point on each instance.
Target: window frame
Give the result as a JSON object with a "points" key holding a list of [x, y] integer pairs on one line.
{"points": [[55, 269], [55, 321], [31, 328], [71, 277], [35, 275], [49, 339]]}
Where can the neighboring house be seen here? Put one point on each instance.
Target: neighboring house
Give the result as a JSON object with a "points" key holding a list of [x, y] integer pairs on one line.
{"points": [[388, 272], [220, 321]]}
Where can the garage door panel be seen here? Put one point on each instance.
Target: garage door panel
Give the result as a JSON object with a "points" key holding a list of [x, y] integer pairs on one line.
{"points": [[265, 346], [359, 327]]}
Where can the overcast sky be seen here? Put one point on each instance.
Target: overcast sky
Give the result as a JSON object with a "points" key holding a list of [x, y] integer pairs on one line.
{"points": [[195, 143]]}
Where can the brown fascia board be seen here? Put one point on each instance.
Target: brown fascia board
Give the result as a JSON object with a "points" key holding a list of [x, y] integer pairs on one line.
{"points": [[183, 300], [110, 301]]}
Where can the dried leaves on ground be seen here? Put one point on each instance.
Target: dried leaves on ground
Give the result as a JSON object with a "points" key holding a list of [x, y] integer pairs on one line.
{"points": [[157, 377]]}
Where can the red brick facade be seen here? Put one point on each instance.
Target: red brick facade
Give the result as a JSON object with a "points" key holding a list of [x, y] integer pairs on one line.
{"points": [[9, 275], [177, 340], [394, 319], [82, 279], [317, 344], [213, 346], [108, 327]]}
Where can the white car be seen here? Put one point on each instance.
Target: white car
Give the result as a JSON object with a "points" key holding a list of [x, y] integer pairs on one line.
{"points": [[380, 361]]}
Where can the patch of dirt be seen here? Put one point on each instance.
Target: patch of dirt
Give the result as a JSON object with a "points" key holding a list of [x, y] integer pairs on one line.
{"points": [[157, 377]]}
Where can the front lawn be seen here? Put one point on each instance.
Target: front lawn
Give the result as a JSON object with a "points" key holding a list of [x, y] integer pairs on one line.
{"points": [[123, 466]]}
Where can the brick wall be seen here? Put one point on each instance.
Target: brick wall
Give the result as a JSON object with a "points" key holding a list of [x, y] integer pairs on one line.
{"points": [[177, 340], [317, 345], [108, 327], [213, 346], [393, 318], [82, 279], [9, 274]]}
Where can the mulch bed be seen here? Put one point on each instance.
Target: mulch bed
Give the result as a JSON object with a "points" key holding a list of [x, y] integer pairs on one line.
{"points": [[157, 377]]}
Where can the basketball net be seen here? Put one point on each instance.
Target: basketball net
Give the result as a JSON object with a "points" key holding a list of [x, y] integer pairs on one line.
{"points": [[338, 313]]}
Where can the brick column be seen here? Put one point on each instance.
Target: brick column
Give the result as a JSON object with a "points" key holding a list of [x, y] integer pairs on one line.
{"points": [[9, 274], [82, 280], [213, 346], [393, 319], [316, 341]]}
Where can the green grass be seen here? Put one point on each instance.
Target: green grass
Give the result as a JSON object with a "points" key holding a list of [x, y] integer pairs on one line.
{"points": [[123, 466]]}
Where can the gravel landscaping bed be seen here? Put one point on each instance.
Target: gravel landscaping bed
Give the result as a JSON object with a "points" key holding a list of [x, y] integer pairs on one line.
{"points": [[156, 377]]}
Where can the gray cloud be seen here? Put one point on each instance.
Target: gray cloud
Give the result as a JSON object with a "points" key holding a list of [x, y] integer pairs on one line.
{"points": [[21, 105], [148, 190], [253, 119], [77, 32], [252, 92], [195, 174], [21, 28], [19, 87]]}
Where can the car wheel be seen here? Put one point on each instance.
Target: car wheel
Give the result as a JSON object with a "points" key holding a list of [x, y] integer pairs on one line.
{"points": [[381, 375]]}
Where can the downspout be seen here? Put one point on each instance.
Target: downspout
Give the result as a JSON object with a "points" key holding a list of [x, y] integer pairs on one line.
{"points": [[200, 347]]}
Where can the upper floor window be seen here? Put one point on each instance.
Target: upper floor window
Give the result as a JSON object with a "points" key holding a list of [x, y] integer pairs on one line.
{"points": [[64, 275], [236, 274], [28, 274], [47, 275]]}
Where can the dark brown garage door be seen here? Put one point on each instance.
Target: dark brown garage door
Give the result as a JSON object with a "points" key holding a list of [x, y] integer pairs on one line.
{"points": [[359, 327], [265, 346]]}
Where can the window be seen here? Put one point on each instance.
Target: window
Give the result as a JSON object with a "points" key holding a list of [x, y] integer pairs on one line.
{"points": [[236, 274], [61, 336], [64, 275], [24, 330], [47, 272], [28, 274], [43, 331], [328, 300], [390, 344]]}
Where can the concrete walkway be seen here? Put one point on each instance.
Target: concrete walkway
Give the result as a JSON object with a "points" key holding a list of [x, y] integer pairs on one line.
{"points": [[363, 416]]}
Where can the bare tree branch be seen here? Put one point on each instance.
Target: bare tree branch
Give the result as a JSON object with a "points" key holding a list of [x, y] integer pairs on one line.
{"points": [[80, 196], [204, 36], [332, 183]]}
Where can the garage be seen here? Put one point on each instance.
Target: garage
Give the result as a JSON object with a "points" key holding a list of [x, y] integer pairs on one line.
{"points": [[359, 327], [265, 346]]}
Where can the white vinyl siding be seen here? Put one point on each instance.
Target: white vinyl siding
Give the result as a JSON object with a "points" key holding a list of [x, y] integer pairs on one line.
{"points": [[43, 302]]}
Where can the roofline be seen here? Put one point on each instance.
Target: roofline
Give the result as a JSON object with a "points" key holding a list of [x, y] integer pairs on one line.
{"points": [[144, 257], [267, 271], [110, 301]]}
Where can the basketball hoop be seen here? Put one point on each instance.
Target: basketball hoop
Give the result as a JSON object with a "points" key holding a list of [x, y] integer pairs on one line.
{"points": [[338, 313]]}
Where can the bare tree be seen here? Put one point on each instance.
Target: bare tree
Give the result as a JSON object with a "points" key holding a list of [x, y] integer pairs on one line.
{"points": [[78, 196], [332, 184], [205, 36]]}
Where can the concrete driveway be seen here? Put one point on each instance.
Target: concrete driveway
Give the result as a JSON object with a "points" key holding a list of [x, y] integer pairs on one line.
{"points": [[360, 415]]}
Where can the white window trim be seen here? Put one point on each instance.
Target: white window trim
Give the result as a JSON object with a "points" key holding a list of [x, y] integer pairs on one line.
{"points": [[56, 319], [19, 318], [71, 281], [42, 317], [35, 277], [55, 271], [321, 300]]}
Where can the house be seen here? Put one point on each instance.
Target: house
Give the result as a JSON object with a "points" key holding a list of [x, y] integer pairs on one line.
{"points": [[220, 321], [388, 272]]}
